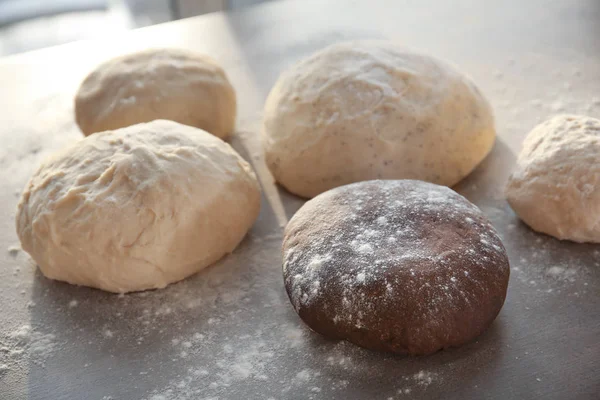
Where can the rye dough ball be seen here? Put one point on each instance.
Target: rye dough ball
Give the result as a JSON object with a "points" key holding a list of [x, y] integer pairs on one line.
{"points": [[402, 266]]}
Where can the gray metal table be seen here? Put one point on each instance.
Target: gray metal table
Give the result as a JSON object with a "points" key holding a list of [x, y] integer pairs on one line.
{"points": [[230, 332]]}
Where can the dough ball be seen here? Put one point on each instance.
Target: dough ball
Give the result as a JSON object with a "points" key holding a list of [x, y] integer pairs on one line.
{"points": [[137, 208], [370, 109], [402, 266], [555, 187], [181, 86]]}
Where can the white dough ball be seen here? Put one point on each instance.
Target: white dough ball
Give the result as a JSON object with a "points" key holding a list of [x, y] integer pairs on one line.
{"points": [[172, 84], [137, 208], [555, 187], [373, 110]]}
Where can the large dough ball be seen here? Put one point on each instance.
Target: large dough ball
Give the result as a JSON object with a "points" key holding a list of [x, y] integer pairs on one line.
{"points": [[137, 208], [403, 266], [370, 109], [555, 187], [157, 84]]}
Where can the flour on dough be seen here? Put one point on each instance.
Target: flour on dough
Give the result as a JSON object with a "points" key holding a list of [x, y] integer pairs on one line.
{"points": [[555, 187], [173, 84], [137, 208], [373, 110]]}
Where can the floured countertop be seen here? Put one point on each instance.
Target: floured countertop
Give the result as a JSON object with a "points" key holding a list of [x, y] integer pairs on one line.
{"points": [[230, 332]]}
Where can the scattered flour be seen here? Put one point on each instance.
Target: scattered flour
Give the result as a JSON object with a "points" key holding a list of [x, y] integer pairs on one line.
{"points": [[557, 106], [420, 379], [42, 345], [562, 273], [26, 344], [13, 251], [537, 103], [424, 378], [294, 336], [548, 266], [303, 375], [248, 359]]}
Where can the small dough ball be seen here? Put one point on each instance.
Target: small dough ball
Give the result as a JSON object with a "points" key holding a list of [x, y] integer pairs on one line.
{"points": [[401, 266], [555, 187], [173, 84], [137, 208], [371, 109]]}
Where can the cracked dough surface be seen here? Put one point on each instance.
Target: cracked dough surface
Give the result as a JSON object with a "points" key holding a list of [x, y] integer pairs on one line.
{"points": [[137, 208], [373, 110], [555, 187], [172, 84]]}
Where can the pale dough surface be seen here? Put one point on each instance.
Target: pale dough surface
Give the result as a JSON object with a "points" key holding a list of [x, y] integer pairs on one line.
{"points": [[137, 208], [371, 109], [555, 187], [172, 84]]}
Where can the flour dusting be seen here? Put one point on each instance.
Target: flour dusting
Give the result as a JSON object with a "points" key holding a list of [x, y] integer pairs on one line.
{"points": [[562, 273], [13, 251], [381, 236], [26, 343], [424, 378]]}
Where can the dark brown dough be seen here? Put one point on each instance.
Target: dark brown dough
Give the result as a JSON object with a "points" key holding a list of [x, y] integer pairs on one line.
{"points": [[402, 266]]}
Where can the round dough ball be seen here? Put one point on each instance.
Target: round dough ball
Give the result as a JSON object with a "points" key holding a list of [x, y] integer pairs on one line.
{"points": [[370, 109], [555, 187], [137, 208], [172, 84], [401, 266]]}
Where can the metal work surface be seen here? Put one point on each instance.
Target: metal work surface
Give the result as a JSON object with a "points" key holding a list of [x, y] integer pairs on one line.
{"points": [[230, 332]]}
